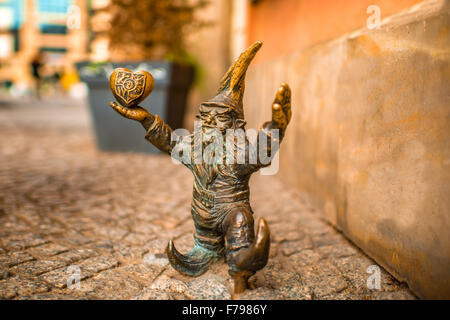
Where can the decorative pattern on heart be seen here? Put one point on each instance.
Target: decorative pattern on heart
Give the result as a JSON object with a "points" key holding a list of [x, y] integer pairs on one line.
{"points": [[130, 88]]}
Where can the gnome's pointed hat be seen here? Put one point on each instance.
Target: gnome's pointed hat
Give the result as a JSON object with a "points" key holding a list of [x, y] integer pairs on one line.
{"points": [[232, 86]]}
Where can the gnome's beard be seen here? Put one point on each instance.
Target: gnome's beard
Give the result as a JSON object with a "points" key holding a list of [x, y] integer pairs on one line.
{"points": [[209, 135]]}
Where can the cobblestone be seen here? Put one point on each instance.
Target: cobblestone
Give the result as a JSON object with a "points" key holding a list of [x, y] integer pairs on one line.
{"points": [[209, 287], [167, 284], [47, 250], [156, 259], [36, 268], [17, 286], [18, 243], [152, 294], [75, 255], [14, 258], [112, 284], [289, 248], [65, 204]]}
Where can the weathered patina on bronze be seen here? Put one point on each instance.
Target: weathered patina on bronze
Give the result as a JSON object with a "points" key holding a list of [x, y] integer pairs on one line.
{"points": [[220, 207]]}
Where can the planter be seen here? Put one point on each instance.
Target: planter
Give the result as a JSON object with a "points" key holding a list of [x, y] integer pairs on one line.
{"points": [[168, 100]]}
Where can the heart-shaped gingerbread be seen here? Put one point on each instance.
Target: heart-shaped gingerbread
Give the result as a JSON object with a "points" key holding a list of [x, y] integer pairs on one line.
{"points": [[130, 88]]}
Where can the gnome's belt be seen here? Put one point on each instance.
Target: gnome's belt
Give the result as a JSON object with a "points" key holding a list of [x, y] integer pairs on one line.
{"points": [[209, 199]]}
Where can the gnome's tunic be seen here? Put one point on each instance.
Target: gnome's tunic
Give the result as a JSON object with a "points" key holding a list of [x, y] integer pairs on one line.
{"points": [[218, 190]]}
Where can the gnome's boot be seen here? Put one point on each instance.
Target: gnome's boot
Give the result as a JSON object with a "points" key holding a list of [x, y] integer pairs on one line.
{"points": [[245, 254], [208, 249], [193, 263]]}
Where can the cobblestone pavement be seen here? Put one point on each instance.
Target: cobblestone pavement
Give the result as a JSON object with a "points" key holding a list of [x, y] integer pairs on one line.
{"points": [[68, 210]]}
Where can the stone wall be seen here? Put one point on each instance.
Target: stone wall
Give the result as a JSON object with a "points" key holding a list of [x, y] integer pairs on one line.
{"points": [[289, 25], [369, 138]]}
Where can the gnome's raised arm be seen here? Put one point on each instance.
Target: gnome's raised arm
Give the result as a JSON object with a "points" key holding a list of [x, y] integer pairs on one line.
{"points": [[281, 116]]}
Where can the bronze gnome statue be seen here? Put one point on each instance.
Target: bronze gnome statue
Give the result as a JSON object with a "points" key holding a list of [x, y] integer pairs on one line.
{"points": [[221, 211]]}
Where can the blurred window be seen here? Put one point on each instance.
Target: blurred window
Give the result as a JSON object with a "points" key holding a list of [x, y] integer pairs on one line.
{"points": [[16, 36], [6, 18], [53, 6], [54, 57], [53, 49], [53, 15], [6, 45], [11, 14], [47, 28], [99, 4]]}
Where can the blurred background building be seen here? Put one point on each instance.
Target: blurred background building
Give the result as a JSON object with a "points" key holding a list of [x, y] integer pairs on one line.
{"points": [[53, 30], [369, 135], [99, 25]]}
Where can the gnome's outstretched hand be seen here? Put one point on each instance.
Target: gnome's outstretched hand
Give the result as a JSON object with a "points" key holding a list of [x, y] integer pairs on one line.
{"points": [[137, 113], [281, 108]]}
